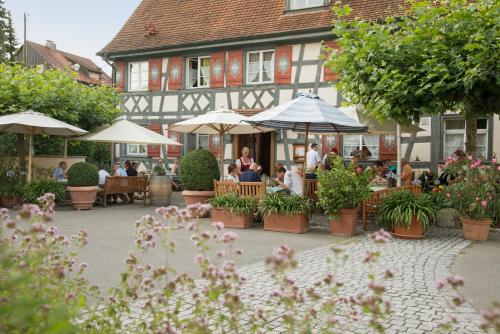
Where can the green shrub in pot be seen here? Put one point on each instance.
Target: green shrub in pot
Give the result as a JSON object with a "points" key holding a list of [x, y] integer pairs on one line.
{"points": [[283, 204], [399, 208], [83, 174], [235, 203], [35, 189], [198, 170]]}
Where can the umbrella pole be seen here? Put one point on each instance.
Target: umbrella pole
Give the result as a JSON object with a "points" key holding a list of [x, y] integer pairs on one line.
{"points": [[65, 149], [398, 162], [305, 159], [221, 155], [30, 154]]}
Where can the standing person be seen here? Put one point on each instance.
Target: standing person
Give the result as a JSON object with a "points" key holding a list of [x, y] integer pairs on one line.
{"points": [[119, 170], [406, 173], [131, 171], [233, 173], [251, 174], [60, 172], [313, 159], [290, 181], [245, 160], [326, 159]]}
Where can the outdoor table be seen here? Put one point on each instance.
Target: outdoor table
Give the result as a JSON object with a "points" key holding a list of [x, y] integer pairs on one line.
{"points": [[375, 189], [272, 190]]}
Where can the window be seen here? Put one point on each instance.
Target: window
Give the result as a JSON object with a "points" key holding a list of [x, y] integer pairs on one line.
{"points": [[367, 145], [198, 72], [196, 141], [137, 150], [454, 137], [302, 4], [138, 76], [260, 67]]}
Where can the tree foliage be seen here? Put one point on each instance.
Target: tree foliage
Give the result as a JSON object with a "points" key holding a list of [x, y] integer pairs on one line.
{"points": [[7, 35], [441, 55]]}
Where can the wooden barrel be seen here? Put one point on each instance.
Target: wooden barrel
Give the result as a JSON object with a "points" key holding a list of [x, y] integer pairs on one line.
{"points": [[160, 190]]}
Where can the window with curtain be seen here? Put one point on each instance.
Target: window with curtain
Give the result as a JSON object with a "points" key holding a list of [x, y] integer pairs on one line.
{"points": [[367, 145], [260, 67], [138, 150], [198, 72], [138, 76], [454, 137], [302, 4]]}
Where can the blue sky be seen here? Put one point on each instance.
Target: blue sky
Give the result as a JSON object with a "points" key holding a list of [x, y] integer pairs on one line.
{"points": [[82, 27]]}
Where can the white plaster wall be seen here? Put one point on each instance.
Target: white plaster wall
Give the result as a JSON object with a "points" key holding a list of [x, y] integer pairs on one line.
{"points": [[170, 103], [425, 123], [295, 52], [234, 99], [280, 151], [156, 103], [312, 51], [221, 100], [308, 73], [329, 94], [294, 72], [285, 95], [420, 150]]}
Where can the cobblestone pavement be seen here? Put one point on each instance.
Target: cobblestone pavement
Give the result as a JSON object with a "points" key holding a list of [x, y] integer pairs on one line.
{"points": [[417, 305]]}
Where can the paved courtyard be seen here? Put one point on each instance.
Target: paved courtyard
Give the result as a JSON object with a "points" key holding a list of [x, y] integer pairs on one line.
{"points": [[417, 306]]}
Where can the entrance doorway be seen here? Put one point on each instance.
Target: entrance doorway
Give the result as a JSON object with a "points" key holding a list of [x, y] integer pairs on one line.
{"points": [[262, 149]]}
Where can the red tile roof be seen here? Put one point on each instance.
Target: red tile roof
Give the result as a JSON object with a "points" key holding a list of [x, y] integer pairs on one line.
{"points": [[159, 24], [65, 60]]}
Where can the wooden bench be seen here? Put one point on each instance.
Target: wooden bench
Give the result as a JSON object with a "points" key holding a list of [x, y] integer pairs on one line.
{"points": [[310, 190], [124, 185], [370, 206], [245, 189]]}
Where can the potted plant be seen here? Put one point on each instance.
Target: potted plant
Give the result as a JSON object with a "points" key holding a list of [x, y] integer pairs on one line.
{"points": [[233, 210], [406, 214], [10, 195], [82, 185], [198, 170], [37, 188], [474, 196], [11, 188], [285, 213], [160, 187], [341, 190]]}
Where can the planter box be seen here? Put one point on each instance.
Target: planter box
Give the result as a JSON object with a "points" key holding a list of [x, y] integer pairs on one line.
{"points": [[231, 220], [475, 230], [345, 225], [286, 223], [415, 232], [9, 202]]}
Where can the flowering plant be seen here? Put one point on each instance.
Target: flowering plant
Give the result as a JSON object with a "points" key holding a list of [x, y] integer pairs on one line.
{"points": [[473, 195], [10, 179]]}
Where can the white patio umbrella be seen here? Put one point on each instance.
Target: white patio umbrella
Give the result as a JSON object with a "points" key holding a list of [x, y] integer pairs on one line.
{"points": [[218, 122], [32, 123], [308, 113], [377, 127]]}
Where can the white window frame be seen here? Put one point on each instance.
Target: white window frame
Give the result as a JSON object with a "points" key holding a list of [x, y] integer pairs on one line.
{"points": [[138, 152], [141, 80], [463, 132], [360, 146], [261, 66], [198, 74], [306, 5]]}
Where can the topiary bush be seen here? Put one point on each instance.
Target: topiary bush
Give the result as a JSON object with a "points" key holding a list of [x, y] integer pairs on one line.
{"points": [[198, 170], [83, 174], [35, 189]]}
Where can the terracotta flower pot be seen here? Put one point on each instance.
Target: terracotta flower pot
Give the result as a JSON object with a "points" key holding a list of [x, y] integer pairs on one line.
{"points": [[416, 230], [9, 202], [345, 224], [476, 230], [194, 197], [286, 223], [83, 197], [230, 219]]}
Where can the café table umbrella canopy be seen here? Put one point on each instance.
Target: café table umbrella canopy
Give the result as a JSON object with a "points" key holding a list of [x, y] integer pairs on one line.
{"points": [[219, 122], [33, 123], [307, 113]]}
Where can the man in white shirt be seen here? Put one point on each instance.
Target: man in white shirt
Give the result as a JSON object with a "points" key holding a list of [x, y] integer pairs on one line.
{"points": [[313, 159], [103, 173], [290, 181]]}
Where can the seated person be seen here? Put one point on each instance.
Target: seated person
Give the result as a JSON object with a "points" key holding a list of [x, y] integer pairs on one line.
{"points": [[131, 171], [233, 173], [251, 174], [378, 168], [290, 181], [103, 174], [60, 172], [119, 170]]}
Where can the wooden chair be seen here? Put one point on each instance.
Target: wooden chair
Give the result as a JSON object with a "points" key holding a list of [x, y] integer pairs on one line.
{"points": [[225, 187], [370, 206], [254, 189], [311, 186], [124, 185]]}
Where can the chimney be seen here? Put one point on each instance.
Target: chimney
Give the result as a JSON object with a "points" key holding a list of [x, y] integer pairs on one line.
{"points": [[50, 44]]}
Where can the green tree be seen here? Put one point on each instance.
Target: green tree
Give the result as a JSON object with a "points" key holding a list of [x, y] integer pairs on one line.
{"points": [[439, 56], [7, 36]]}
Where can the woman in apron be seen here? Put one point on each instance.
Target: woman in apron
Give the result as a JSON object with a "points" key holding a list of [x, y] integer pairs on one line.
{"points": [[245, 160]]}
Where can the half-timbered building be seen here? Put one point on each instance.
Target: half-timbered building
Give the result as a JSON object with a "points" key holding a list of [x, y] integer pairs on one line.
{"points": [[177, 59]]}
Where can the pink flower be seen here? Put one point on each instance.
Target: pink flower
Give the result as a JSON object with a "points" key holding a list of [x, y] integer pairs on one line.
{"points": [[469, 157], [448, 195], [228, 237], [494, 160], [484, 203]]}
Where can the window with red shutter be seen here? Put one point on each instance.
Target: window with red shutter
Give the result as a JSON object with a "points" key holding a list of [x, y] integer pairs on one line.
{"points": [[330, 75], [217, 69], [175, 73], [120, 76], [154, 150], [283, 64], [234, 68], [154, 82]]}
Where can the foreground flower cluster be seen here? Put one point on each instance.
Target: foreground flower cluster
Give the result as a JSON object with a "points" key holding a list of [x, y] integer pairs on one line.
{"points": [[43, 289]]}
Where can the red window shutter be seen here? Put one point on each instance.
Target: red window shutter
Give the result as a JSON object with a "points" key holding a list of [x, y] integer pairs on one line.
{"points": [[154, 81], [213, 144], [154, 150], [235, 68], [388, 147], [120, 76], [329, 75], [328, 142], [283, 64], [175, 73], [217, 69], [172, 150]]}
